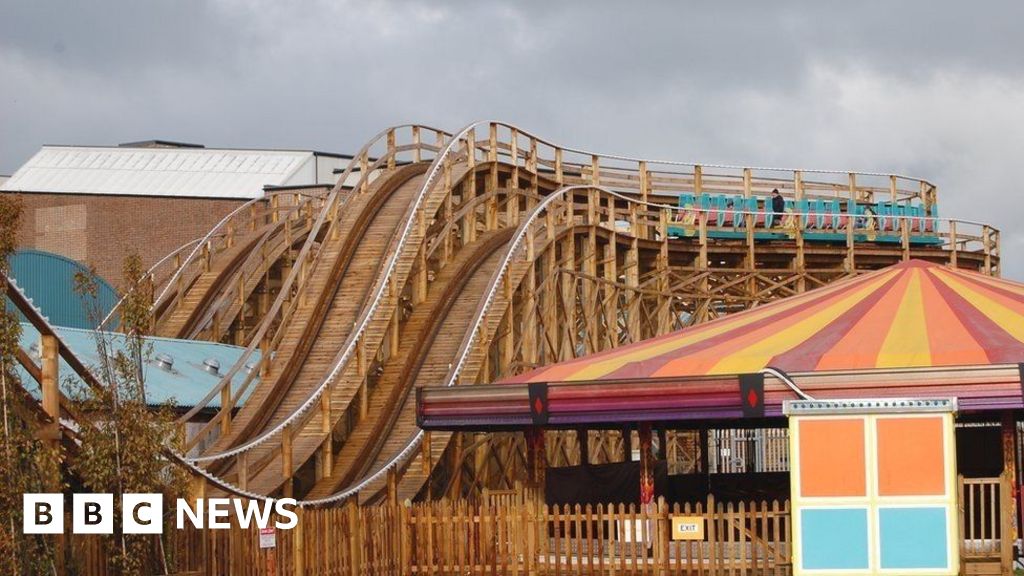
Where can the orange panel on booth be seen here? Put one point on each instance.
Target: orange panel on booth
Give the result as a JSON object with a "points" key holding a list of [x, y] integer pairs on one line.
{"points": [[873, 486]]}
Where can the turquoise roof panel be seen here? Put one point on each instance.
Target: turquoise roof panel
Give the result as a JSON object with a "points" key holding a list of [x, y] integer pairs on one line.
{"points": [[186, 383], [49, 280]]}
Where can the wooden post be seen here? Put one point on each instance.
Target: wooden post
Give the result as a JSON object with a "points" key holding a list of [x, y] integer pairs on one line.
{"points": [[243, 470], [326, 450], [712, 536], [51, 387], [405, 537], [392, 487], [50, 376], [583, 443], [1007, 499], [425, 453], [286, 460], [645, 190], [391, 149], [225, 410], [355, 542], [986, 241], [416, 142], [298, 546], [952, 242], [663, 538]]}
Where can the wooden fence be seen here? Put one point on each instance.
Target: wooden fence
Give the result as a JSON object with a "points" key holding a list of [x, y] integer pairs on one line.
{"points": [[986, 515], [508, 533], [498, 537]]}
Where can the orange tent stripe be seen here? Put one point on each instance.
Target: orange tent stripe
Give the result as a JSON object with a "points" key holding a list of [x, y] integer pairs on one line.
{"points": [[1008, 285], [949, 340], [1007, 313], [915, 313], [752, 350], [601, 365], [806, 356], [906, 343], [862, 344]]}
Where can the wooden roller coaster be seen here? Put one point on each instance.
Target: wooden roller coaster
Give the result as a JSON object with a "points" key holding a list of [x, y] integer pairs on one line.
{"points": [[461, 258]]}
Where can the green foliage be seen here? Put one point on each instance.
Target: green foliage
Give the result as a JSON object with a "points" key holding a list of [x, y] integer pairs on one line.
{"points": [[123, 451], [26, 463]]}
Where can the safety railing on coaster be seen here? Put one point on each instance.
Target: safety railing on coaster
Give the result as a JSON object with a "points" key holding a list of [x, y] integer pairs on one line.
{"points": [[383, 152], [170, 276], [630, 179], [603, 207]]}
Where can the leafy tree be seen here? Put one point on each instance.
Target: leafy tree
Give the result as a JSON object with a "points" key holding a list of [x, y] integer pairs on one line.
{"points": [[124, 451], [27, 464]]}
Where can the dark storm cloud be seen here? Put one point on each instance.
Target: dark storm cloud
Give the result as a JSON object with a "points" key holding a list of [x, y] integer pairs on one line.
{"points": [[926, 88]]}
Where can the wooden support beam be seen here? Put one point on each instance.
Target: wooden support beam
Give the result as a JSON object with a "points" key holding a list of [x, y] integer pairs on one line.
{"points": [[583, 445], [50, 389], [417, 144], [954, 244], [1008, 498], [243, 470], [225, 410], [50, 372], [286, 460]]}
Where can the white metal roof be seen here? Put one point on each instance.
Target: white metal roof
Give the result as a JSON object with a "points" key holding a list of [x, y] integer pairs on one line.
{"points": [[181, 172]]}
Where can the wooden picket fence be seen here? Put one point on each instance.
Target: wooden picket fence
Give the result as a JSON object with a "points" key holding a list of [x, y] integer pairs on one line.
{"points": [[986, 516], [500, 535]]}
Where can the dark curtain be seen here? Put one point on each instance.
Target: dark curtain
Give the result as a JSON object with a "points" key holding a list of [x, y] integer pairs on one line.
{"points": [[619, 483]]}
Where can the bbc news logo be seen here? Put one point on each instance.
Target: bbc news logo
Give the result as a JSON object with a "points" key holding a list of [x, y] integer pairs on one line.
{"points": [[143, 513]]}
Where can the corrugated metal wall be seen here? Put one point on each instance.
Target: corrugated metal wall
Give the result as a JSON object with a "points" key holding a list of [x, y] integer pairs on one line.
{"points": [[49, 280]]}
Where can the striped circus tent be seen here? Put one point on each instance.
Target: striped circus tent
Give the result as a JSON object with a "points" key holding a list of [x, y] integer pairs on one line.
{"points": [[914, 330], [915, 314]]}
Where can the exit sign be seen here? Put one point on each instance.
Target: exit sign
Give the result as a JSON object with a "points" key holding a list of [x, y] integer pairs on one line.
{"points": [[687, 527]]}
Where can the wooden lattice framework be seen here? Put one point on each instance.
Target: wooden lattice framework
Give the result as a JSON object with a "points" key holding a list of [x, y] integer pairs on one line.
{"points": [[596, 267]]}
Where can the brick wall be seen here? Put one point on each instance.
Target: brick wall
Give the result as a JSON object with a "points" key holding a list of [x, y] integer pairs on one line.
{"points": [[102, 230]]}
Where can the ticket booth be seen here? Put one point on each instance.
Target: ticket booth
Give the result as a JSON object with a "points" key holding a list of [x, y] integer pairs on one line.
{"points": [[874, 486]]}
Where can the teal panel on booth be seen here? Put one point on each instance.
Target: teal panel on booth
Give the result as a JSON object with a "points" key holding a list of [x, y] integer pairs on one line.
{"points": [[912, 538], [834, 538]]}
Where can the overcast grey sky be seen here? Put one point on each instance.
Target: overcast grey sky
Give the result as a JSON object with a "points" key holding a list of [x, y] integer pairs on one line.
{"points": [[926, 88]]}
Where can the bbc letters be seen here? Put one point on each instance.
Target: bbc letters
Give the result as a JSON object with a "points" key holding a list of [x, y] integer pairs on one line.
{"points": [[143, 513]]}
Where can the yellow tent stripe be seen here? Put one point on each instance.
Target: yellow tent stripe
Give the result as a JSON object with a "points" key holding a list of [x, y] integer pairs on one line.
{"points": [[598, 369], [757, 356], [1006, 318], [906, 344]]}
